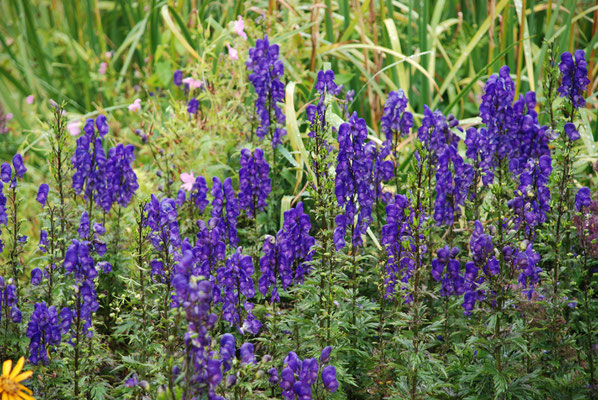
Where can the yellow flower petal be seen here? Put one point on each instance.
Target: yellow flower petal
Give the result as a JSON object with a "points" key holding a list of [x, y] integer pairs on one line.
{"points": [[21, 387], [6, 369], [26, 396], [17, 368], [4, 396], [23, 376]]}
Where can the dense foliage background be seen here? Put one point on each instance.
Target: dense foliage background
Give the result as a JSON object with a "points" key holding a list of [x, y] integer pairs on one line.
{"points": [[177, 81]]}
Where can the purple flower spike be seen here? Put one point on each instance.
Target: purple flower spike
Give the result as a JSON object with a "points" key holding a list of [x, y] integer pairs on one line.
{"points": [[102, 125], [254, 181], [5, 172], [192, 106], [36, 276], [43, 331], [42, 194], [575, 77], [83, 229], [178, 77], [329, 378], [273, 376], [395, 120], [571, 131], [583, 198], [325, 355], [353, 184], [19, 165], [266, 73], [247, 353], [43, 241]]}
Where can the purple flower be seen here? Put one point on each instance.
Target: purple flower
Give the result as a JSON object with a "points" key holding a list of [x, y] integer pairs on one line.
{"points": [[36, 276], [254, 181], [199, 192], [531, 202], [286, 255], [132, 382], [482, 251], [325, 83], [266, 73], [42, 194], [43, 241], [96, 175], [80, 264], [446, 262], [105, 266], [583, 198], [512, 134], [162, 220], [192, 106], [287, 380], [397, 238], [396, 121], [383, 168], [5, 172], [83, 229], [227, 351], [353, 184], [43, 331], [575, 78], [247, 353], [453, 176], [325, 354], [102, 125], [235, 279], [571, 131], [527, 262], [329, 378], [119, 181], [66, 317], [15, 315], [273, 379], [19, 165], [178, 77], [225, 207]]}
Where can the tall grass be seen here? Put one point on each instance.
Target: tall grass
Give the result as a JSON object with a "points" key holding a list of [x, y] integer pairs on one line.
{"points": [[448, 47]]}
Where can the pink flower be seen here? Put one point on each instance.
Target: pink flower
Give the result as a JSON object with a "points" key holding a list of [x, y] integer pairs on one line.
{"points": [[193, 83], [232, 53], [103, 68], [196, 84], [9, 116], [188, 181], [239, 26], [74, 127], [30, 99], [135, 106]]}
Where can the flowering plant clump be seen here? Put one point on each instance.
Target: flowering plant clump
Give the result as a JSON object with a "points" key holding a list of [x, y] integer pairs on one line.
{"points": [[403, 234], [267, 70]]}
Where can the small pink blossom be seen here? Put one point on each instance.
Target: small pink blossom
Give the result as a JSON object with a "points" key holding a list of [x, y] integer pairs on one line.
{"points": [[232, 53], [193, 83], [196, 84], [108, 54], [135, 106], [188, 181], [9, 116], [30, 99], [74, 127], [239, 26], [103, 68]]}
